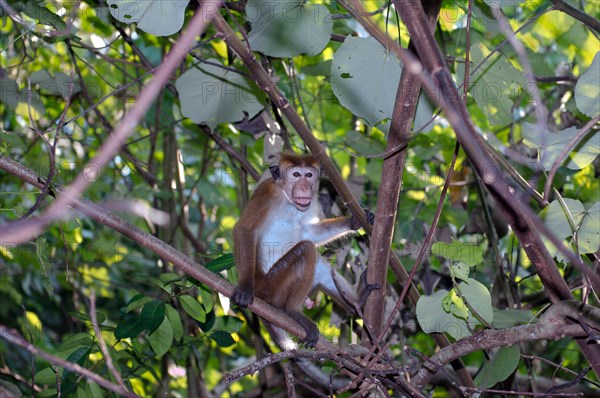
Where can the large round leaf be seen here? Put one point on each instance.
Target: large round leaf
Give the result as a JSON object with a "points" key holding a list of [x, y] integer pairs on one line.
{"points": [[479, 298], [286, 28], [550, 145], [433, 318], [211, 94], [365, 77], [587, 90], [157, 17], [588, 236]]}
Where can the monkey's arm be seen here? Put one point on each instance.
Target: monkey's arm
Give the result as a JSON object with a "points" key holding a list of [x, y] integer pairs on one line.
{"points": [[325, 231], [245, 259]]}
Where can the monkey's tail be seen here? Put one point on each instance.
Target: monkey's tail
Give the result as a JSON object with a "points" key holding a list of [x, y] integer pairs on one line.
{"points": [[283, 341]]}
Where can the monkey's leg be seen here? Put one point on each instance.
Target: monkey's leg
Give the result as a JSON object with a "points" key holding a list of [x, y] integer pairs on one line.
{"points": [[287, 284], [328, 280]]}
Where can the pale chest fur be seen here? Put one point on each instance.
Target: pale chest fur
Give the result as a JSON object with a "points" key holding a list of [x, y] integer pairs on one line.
{"points": [[285, 227]]}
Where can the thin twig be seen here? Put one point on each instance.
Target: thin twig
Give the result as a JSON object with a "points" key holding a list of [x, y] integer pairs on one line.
{"points": [[107, 358], [13, 337], [23, 231], [565, 151]]}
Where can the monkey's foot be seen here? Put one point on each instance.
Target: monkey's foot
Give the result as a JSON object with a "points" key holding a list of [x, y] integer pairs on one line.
{"points": [[312, 336], [365, 289], [364, 295], [242, 298]]}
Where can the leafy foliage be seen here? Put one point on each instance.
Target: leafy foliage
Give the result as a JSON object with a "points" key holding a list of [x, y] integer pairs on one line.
{"points": [[70, 71]]}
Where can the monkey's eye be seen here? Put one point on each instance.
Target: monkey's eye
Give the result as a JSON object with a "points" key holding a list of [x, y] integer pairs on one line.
{"points": [[296, 174], [308, 175]]}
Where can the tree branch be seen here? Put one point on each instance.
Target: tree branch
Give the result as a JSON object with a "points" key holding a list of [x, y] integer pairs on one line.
{"points": [[588, 20], [437, 80], [163, 250], [25, 230], [552, 325]]}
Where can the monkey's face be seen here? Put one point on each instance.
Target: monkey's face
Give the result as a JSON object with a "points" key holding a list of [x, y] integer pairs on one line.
{"points": [[300, 186]]}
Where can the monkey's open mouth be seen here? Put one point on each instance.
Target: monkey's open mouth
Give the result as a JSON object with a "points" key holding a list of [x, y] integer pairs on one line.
{"points": [[302, 201]]}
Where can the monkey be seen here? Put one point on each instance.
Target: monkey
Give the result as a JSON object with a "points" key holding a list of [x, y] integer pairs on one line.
{"points": [[276, 240]]}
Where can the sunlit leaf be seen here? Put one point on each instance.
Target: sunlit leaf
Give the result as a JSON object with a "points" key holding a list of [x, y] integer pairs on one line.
{"points": [[466, 253], [479, 298], [158, 17], [192, 307], [550, 145], [434, 319], [587, 90]]}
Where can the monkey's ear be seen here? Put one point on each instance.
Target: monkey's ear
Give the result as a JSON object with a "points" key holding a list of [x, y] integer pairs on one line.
{"points": [[275, 172]]}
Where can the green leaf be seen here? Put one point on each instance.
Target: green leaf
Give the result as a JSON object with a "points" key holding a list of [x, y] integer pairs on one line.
{"points": [[129, 327], [228, 323], [502, 365], [588, 236], [221, 263], [466, 253], [478, 296], [162, 338], [60, 84], [363, 144], [587, 89], [364, 78], [286, 28], [459, 270], [93, 390], [13, 140], [152, 315], [211, 94], [207, 299], [69, 379], [169, 277], [175, 320], [454, 304], [434, 319], [493, 85], [21, 101], [556, 219], [35, 10], [192, 307], [137, 301], [157, 17], [223, 339], [507, 318], [550, 145]]}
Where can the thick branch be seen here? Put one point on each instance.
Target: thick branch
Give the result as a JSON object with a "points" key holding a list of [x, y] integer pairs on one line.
{"points": [[581, 16], [163, 250], [407, 95], [265, 83], [441, 89], [552, 325]]}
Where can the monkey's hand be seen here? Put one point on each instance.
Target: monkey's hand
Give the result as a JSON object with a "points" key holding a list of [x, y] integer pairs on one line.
{"points": [[355, 222], [242, 297]]}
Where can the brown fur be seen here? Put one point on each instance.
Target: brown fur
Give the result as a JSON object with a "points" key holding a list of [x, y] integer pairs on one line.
{"points": [[288, 198]]}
